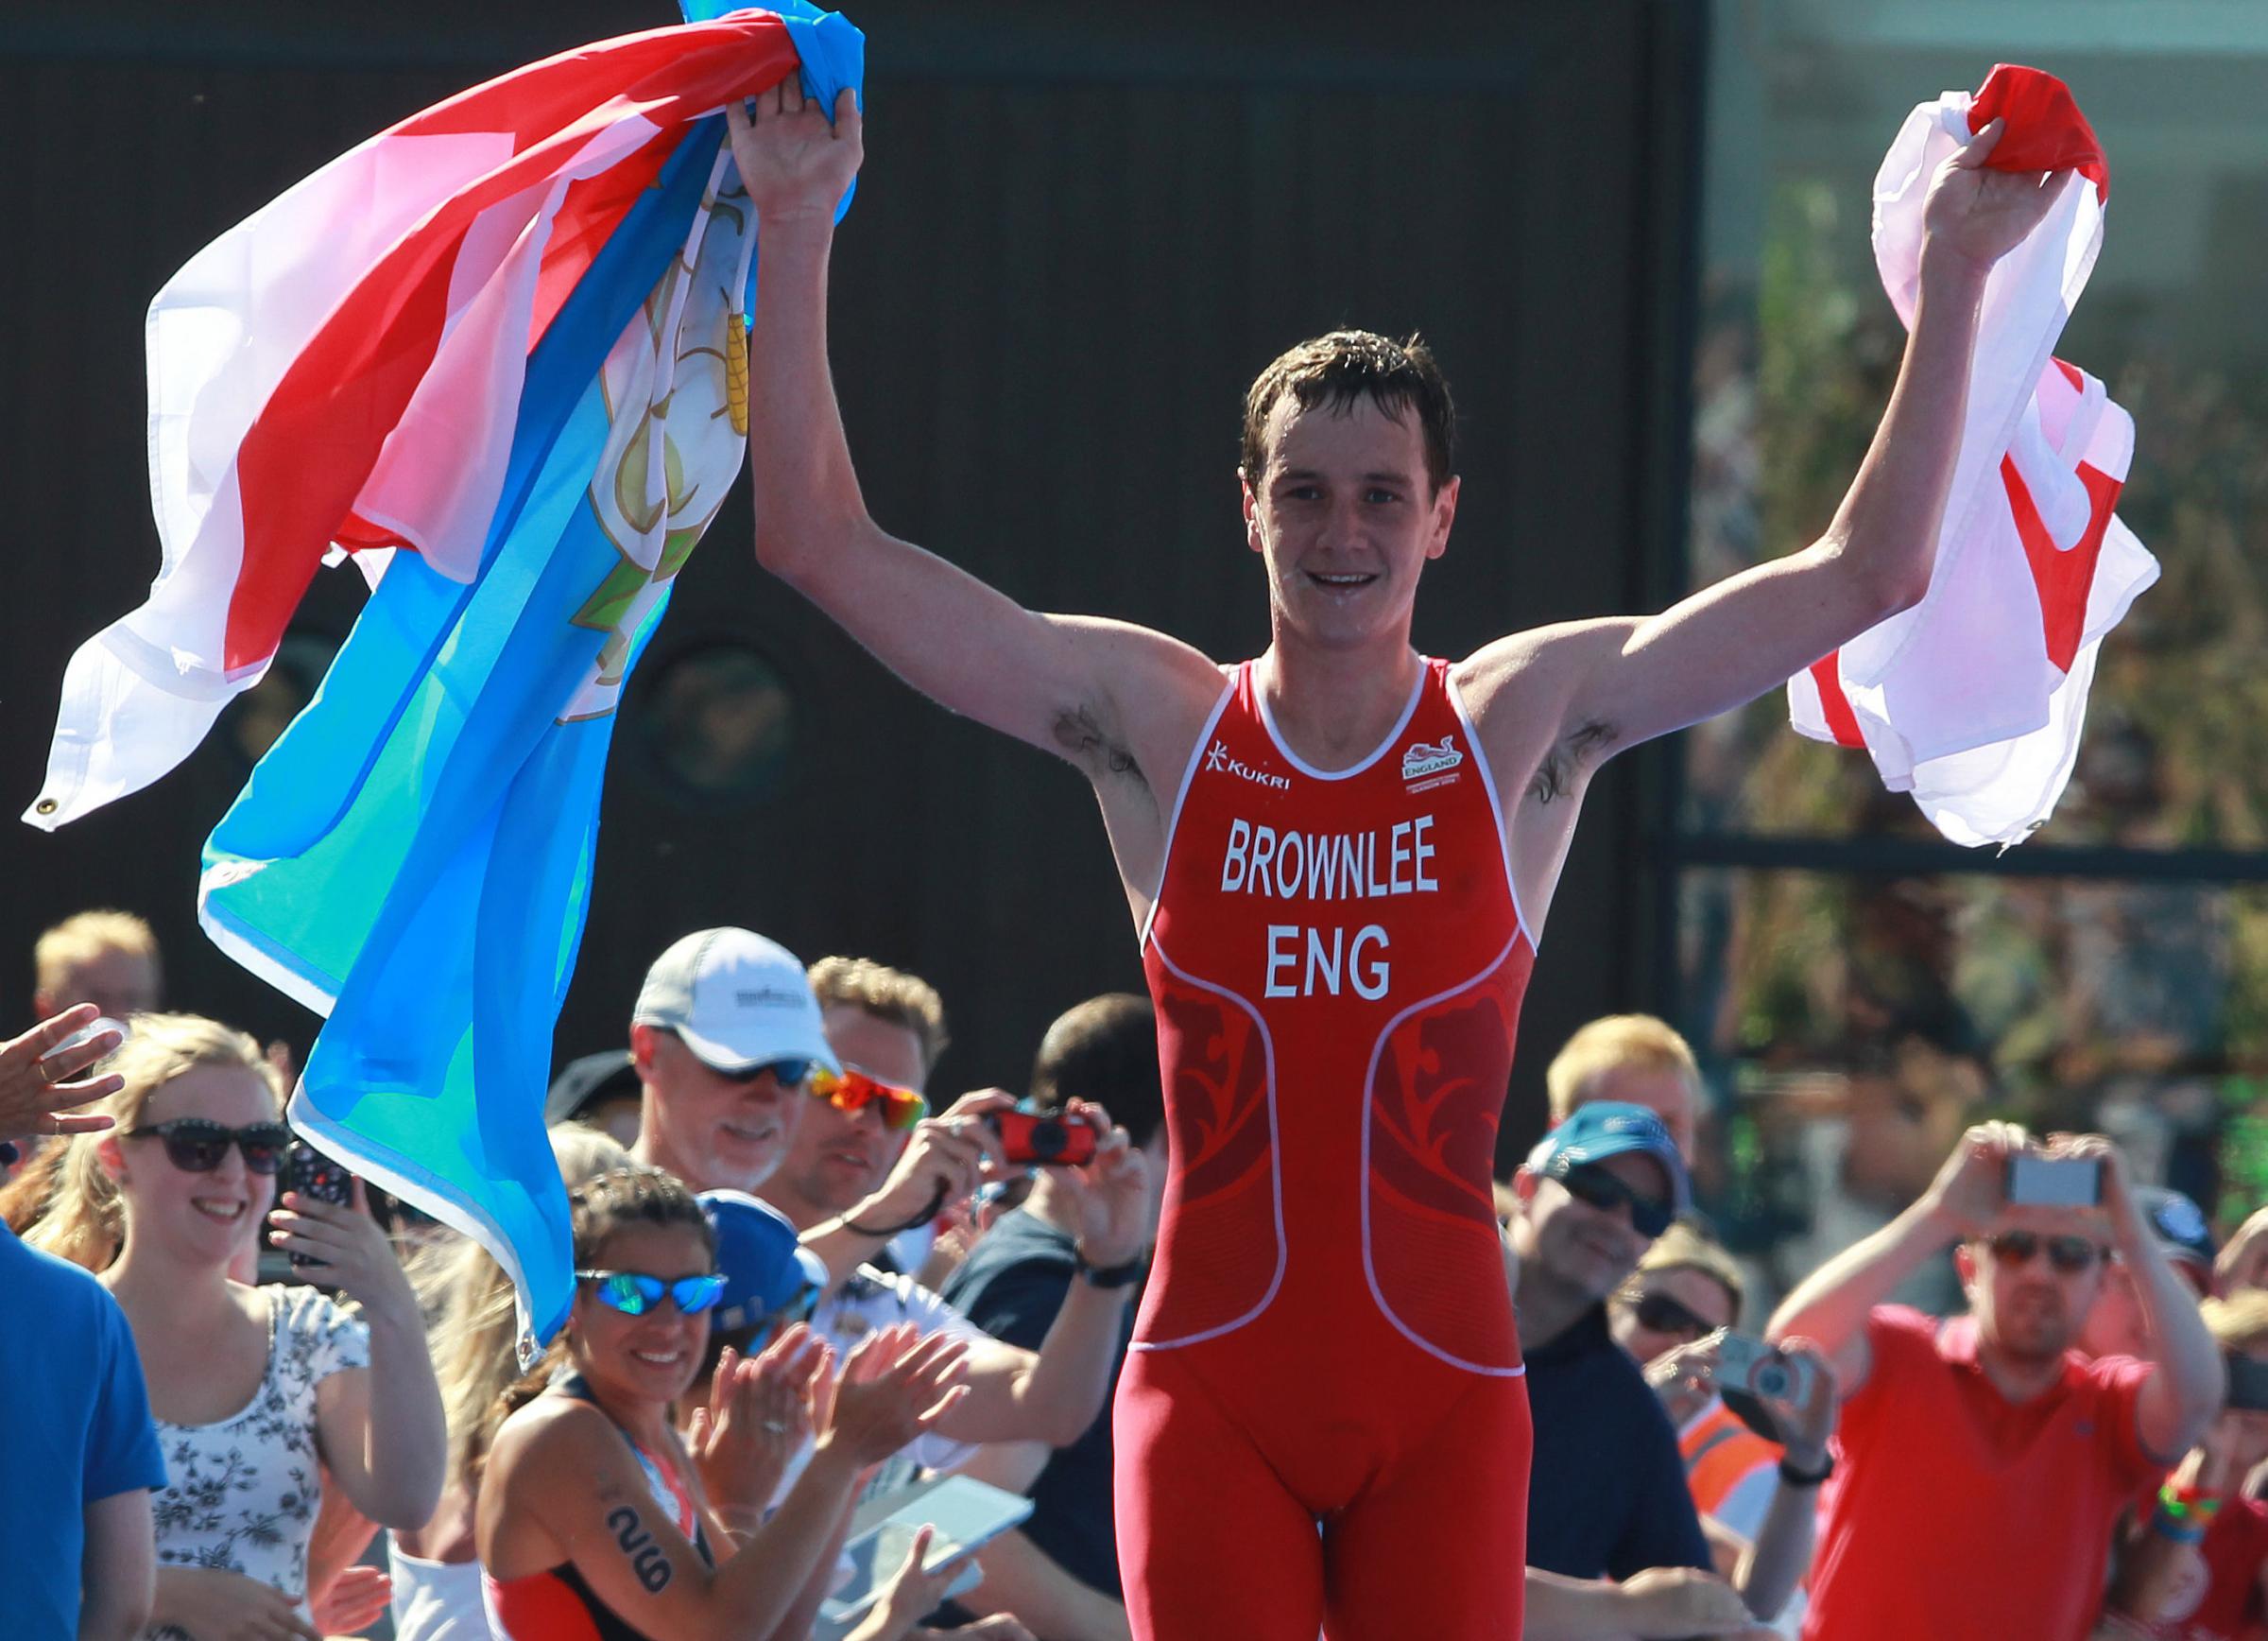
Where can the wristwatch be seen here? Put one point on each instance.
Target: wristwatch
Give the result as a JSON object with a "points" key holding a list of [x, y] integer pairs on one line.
{"points": [[1794, 1478], [1110, 1275]]}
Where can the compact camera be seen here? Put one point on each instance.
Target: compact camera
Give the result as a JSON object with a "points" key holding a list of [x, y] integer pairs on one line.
{"points": [[1748, 1369], [1026, 1139]]}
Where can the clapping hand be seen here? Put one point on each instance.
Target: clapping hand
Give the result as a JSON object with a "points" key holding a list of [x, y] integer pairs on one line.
{"points": [[894, 1388], [758, 1415]]}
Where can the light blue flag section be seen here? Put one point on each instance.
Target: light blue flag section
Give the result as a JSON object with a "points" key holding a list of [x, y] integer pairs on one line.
{"points": [[413, 856]]}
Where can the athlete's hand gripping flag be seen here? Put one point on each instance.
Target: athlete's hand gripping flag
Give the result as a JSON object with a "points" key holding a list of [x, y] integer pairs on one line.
{"points": [[1973, 699], [498, 353]]}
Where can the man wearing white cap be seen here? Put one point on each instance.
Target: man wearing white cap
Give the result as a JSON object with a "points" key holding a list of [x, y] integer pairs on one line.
{"points": [[725, 1034]]}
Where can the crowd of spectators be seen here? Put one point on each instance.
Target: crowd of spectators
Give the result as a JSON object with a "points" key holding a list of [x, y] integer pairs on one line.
{"points": [[803, 1286]]}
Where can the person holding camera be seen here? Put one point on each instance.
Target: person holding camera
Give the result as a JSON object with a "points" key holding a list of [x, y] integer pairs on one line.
{"points": [[1607, 1489], [258, 1392], [1987, 1449], [1754, 1462], [1059, 1571], [859, 1161]]}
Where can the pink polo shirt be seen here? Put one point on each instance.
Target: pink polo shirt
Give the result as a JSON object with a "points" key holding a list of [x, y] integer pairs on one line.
{"points": [[1955, 1514]]}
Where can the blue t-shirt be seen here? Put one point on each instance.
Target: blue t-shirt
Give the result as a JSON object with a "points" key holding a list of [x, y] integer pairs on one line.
{"points": [[1011, 1285], [78, 1429], [1607, 1489]]}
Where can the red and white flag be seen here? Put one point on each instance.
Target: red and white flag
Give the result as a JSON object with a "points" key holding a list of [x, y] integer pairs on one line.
{"points": [[341, 371], [1973, 699]]}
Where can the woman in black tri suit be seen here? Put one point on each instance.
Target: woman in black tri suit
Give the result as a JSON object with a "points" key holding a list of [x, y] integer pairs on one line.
{"points": [[596, 1523]]}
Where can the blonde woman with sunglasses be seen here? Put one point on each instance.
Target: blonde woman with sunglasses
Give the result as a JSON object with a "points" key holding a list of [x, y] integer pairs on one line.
{"points": [[255, 1390]]}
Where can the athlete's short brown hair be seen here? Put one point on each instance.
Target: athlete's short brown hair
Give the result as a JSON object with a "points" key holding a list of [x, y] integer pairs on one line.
{"points": [[1401, 378], [886, 993]]}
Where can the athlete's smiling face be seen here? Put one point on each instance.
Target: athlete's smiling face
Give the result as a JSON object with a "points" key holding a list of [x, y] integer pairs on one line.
{"points": [[649, 1358], [1344, 517]]}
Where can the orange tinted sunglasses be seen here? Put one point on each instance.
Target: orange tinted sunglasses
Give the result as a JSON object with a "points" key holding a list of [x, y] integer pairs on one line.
{"points": [[900, 1107]]}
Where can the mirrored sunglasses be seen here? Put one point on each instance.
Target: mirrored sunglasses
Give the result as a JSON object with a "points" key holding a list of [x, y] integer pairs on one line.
{"points": [[1595, 1187], [2070, 1255], [195, 1144], [850, 1092], [634, 1292]]}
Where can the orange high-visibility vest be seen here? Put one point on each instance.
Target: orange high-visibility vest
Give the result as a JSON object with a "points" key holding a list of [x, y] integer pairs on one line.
{"points": [[1719, 1451]]}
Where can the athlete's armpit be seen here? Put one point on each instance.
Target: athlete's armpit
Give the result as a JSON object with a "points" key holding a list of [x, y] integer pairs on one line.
{"points": [[1080, 735], [1572, 756]]}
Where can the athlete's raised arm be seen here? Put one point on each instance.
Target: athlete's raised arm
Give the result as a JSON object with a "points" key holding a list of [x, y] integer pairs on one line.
{"points": [[1109, 695], [1612, 684]]}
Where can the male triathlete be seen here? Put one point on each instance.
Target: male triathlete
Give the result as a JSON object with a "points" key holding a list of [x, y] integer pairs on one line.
{"points": [[1338, 856]]}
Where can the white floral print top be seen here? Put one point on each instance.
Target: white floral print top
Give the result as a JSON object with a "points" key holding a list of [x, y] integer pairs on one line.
{"points": [[242, 1494]]}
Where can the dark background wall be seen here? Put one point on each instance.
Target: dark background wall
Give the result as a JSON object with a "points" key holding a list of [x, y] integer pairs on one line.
{"points": [[1079, 234]]}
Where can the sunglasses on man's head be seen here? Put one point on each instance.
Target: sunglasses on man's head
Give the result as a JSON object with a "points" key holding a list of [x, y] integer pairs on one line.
{"points": [[634, 1293], [1597, 1187], [850, 1092], [195, 1144], [1657, 1313], [2070, 1255]]}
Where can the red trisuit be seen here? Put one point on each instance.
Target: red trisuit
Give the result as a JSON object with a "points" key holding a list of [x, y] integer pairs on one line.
{"points": [[1323, 1421]]}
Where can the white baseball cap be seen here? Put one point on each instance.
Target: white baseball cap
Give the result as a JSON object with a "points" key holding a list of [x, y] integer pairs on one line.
{"points": [[738, 1000]]}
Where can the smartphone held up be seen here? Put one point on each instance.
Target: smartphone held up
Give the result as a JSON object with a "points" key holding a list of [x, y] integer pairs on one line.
{"points": [[2036, 1182], [319, 1179]]}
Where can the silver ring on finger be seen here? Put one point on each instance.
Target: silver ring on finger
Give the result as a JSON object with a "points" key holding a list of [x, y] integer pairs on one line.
{"points": [[48, 1072]]}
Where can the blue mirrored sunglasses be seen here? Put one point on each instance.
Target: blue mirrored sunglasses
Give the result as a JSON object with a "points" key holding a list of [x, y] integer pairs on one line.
{"points": [[634, 1293]]}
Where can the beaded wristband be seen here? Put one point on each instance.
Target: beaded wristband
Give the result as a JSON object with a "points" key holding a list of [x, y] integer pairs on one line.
{"points": [[2167, 1527], [2185, 1504]]}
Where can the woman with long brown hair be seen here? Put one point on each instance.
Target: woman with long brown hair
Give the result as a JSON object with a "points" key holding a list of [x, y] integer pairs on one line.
{"points": [[436, 1568], [595, 1521]]}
